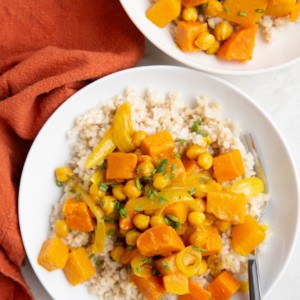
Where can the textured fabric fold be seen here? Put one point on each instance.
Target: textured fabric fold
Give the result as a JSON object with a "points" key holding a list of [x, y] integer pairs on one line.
{"points": [[48, 50]]}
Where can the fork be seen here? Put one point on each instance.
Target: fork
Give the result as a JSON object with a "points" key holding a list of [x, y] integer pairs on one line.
{"points": [[253, 271]]}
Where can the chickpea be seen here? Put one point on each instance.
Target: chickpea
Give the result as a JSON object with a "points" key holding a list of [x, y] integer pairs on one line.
{"points": [[118, 192], [149, 212], [223, 31], [196, 218], [141, 221], [95, 192], [198, 238], [131, 190], [117, 253], [63, 174], [160, 181], [145, 168], [194, 151], [108, 204], [61, 228], [131, 237], [213, 8], [138, 137], [190, 14], [205, 160], [157, 220], [204, 40], [213, 48]]}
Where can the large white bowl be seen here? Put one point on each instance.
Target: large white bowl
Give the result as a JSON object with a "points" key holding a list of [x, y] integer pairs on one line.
{"points": [[51, 149], [282, 52]]}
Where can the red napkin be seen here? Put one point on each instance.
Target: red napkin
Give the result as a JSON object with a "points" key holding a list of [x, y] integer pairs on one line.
{"points": [[48, 50]]}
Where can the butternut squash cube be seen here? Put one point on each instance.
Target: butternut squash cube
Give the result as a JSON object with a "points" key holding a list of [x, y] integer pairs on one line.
{"points": [[223, 286], [151, 287], [160, 143], [191, 3], [159, 240], [196, 292], [53, 254], [280, 8], [227, 206], [295, 12], [213, 242], [77, 215], [79, 268], [239, 46], [187, 32], [177, 283], [178, 209], [121, 165], [167, 265], [247, 236], [190, 165], [243, 12], [228, 166], [162, 12]]}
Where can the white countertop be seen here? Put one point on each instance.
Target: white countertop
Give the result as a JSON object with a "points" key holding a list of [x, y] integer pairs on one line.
{"points": [[278, 93]]}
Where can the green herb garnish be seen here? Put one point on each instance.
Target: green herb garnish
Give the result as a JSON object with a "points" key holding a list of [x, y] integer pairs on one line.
{"points": [[139, 269], [167, 221], [130, 247], [138, 183], [152, 193], [173, 167], [173, 218], [162, 199], [195, 128], [242, 13], [111, 232], [109, 220], [147, 178], [153, 172], [192, 191], [165, 265], [226, 9], [103, 187], [155, 273], [181, 140], [200, 249], [176, 155], [99, 262], [260, 10], [91, 255], [123, 212], [138, 209], [102, 167], [162, 166], [59, 183]]}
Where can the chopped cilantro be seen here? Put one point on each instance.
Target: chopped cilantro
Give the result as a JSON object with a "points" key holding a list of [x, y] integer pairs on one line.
{"points": [[165, 265], [173, 167], [109, 220], [176, 155], [242, 13], [260, 10], [91, 256], [173, 218], [103, 187], [138, 183], [200, 249], [59, 183], [111, 232], [153, 172], [123, 212], [138, 209], [162, 166], [195, 128], [147, 178], [162, 199], [130, 247], [103, 166], [99, 262], [139, 269], [181, 140], [192, 191], [155, 273]]}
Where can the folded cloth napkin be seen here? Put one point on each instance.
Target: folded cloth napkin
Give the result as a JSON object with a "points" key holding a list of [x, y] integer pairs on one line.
{"points": [[48, 50]]}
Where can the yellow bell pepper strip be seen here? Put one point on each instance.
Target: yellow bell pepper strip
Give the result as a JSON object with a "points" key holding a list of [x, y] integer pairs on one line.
{"points": [[251, 187], [122, 128], [99, 241], [159, 200], [98, 176], [140, 266], [105, 147], [188, 261]]}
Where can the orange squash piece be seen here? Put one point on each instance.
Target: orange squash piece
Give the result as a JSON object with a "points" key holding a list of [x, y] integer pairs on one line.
{"points": [[228, 166], [239, 46], [160, 143], [53, 254], [79, 268], [127, 222], [190, 165], [151, 287], [128, 255], [177, 283], [186, 34], [213, 242], [243, 12], [196, 292], [295, 12], [247, 236], [77, 215], [191, 3], [176, 167], [178, 209], [227, 206], [223, 286], [280, 8], [167, 265], [159, 240], [162, 12], [121, 165]]}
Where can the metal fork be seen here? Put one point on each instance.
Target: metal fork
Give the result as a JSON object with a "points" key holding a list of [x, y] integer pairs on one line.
{"points": [[253, 271]]}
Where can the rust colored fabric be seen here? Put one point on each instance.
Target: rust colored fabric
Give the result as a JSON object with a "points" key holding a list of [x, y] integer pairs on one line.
{"points": [[48, 50]]}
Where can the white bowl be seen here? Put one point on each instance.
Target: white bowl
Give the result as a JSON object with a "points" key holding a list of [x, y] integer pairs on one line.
{"points": [[51, 149], [282, 52]]}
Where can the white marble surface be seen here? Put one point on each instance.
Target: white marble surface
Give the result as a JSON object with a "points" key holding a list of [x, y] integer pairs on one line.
{"points": [[278, 93]]}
